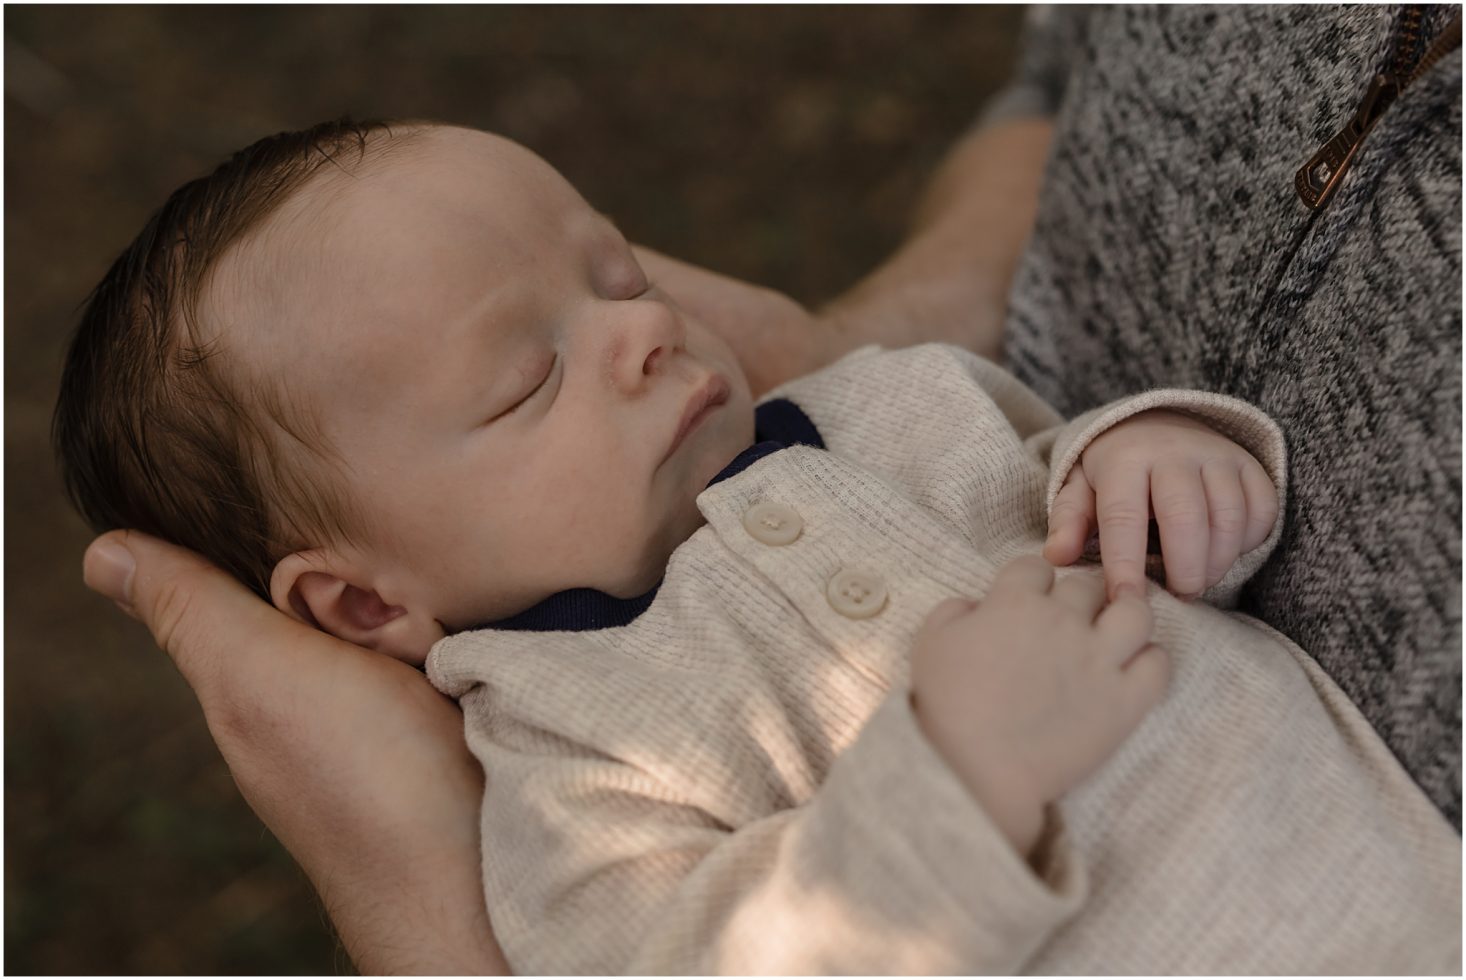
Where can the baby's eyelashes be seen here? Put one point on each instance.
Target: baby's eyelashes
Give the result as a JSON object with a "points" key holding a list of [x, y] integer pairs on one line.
{"points": [[530, 394]]}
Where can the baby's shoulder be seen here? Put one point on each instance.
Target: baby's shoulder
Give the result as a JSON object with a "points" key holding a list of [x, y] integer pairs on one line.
{"points": [[884, 375], [904, 386]]}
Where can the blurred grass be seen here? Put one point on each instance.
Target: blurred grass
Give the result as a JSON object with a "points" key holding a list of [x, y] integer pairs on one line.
{"points": [[784, 145]]}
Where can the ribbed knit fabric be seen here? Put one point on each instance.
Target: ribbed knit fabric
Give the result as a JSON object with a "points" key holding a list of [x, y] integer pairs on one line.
{"points": [[1171, 250], [734, 782]]}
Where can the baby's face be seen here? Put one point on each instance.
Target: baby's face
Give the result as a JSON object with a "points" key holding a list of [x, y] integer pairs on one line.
{"points": [[504, 384]]}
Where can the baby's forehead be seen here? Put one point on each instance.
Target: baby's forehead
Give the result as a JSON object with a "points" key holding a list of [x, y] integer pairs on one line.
{"points": [[288, 246], [397, 231], [252, 278]]}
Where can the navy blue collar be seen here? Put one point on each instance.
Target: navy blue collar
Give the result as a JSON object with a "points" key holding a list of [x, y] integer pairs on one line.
{"points": [[777, 424]]}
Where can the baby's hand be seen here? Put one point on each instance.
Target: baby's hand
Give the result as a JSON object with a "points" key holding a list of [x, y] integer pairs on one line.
{"points": [[1212, 502], [1032, 690]]}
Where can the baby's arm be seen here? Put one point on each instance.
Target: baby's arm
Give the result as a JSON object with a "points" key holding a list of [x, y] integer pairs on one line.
{"points": [[890, 866]]}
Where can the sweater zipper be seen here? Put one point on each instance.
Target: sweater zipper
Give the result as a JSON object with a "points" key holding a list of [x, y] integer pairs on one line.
{"points": [[1317, 179]]}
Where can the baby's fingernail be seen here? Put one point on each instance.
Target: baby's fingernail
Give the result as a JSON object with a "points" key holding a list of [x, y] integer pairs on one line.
{"points": [[107, 568]]}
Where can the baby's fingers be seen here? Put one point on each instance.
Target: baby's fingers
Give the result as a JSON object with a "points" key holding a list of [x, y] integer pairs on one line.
{"points": [[1262, 503], [1122, 508], [1146, 676], [1179, 500], [944, 615], [1227, 505], [1124, 627], [1144, 669], [1071, 520]]}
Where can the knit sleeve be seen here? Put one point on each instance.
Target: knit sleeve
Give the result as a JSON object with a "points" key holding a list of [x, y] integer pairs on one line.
{"points": [[595, 866], [1245, 425]]}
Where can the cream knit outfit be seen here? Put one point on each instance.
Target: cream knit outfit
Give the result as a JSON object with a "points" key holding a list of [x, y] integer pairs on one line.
{"points": [[734, 782]]}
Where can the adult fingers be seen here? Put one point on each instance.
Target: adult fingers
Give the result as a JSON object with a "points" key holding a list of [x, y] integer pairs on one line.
{"points": [[1083, 592], [1122, 504], [356, 764], [1262, 503], [196, 612], [1071, 519], [1029, 573], [1179, 500], [1227, 510]]}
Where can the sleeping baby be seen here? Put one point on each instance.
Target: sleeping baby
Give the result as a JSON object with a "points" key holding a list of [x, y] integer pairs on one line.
{"points": [[772, 688]]}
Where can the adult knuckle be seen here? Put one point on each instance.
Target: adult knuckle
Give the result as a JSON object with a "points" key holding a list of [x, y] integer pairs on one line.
{"points": [[170, 620]]}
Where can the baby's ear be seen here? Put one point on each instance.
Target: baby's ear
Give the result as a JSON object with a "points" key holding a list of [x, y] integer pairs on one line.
{"points": [[316, 588]]}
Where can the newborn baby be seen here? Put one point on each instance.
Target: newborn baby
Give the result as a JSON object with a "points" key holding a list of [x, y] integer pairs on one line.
{"points": [[738, 709]]}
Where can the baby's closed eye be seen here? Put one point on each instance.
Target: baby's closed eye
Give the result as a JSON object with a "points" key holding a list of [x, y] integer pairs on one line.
{"points": [[524, 399]]}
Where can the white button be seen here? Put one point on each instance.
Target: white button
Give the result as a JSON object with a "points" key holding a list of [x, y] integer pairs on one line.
{"points": [[856, 593], [773, 523]]}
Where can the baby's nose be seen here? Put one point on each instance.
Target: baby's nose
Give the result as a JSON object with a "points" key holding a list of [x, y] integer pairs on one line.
{"points": [[648, 334]]}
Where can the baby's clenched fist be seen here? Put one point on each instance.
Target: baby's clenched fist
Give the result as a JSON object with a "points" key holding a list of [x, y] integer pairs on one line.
{"points": [[1031, 690]]}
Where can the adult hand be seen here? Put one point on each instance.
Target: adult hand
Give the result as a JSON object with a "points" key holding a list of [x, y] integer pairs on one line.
{"points": [[947, 282], [350, 757]]}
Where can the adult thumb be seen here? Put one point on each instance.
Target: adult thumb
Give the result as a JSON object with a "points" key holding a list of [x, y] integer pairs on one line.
{"points": [[188, 604]]}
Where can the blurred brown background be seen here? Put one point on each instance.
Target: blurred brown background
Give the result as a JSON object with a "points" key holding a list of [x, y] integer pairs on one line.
{"points": [[781, 145]]}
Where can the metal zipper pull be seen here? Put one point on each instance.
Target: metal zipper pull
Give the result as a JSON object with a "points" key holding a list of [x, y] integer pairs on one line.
{"points": [[1317, 179]]}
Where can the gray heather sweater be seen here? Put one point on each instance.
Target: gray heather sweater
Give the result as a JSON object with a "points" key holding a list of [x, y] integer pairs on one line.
{"points": [[1171, 250]]}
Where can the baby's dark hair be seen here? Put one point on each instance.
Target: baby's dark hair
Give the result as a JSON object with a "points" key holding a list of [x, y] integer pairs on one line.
{"points": [[152, 432]]}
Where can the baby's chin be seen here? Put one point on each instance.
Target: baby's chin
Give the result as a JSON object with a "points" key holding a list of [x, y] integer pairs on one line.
{"points": [[675, 531], [675, 523]]}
